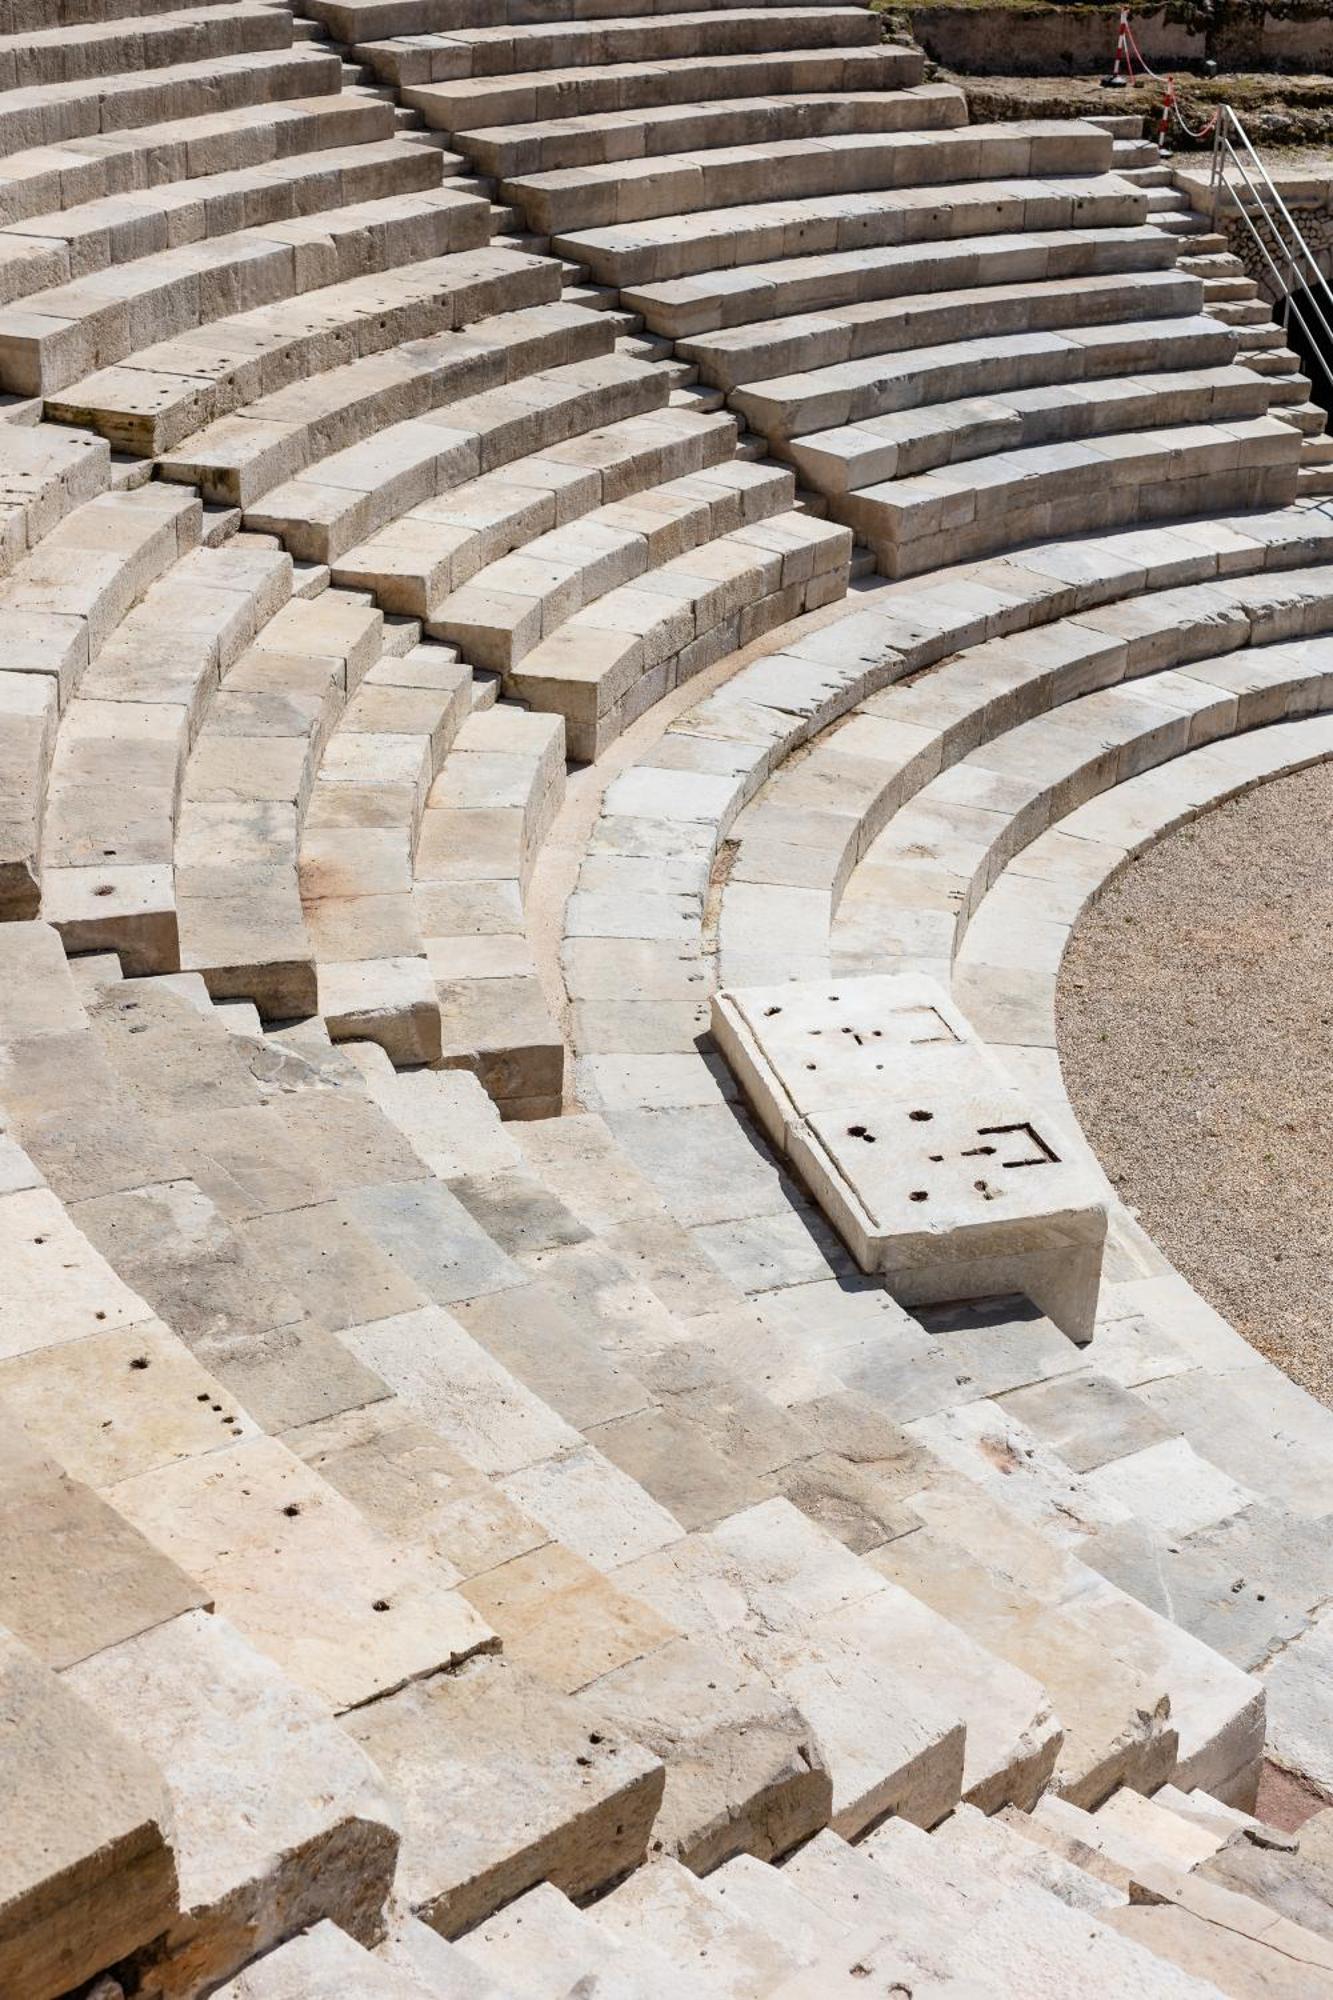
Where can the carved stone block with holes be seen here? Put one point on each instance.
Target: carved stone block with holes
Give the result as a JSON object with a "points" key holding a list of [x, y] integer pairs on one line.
{"points": [[931, 1165]]}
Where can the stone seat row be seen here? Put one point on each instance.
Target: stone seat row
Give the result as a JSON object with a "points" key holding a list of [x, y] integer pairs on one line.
{"points": [[515, 50], [970, 821], [271, 108], [645, 132], [676, 806], [675, 246], [845, 305], [486, 109], [158, 38], [52, 339], [620, 192], [359, 21], [167, 391], [43, 253], [275, 438], [62, 118], [900, 745], [1038, 898]]}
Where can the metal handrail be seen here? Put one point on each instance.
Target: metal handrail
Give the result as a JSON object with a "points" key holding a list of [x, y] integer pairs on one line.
{"points": [[1291, 264]]}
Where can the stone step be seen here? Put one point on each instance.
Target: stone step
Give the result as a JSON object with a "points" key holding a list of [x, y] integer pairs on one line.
{"points": [[122, 747], [412, 565], [542, 1944], [846, 1645], [364, 20], [855, 305], [514, 50], [697, 1922], [414, 1950], [1154, 475], [502, 1788], [300, 1830], [357, 491], [852, 392], [1274, 360], [155, 41], [276, 438], [380, 760], [512, 605], [486, 817], [166, 393], [85, 1887], [913, 441], [244, 796], [545, 147], [56, 114], [311, 1585], [1204, 1930], [1127, 153], [829, 163], [324, 1961], [1013, 261], [1241, 312], [676, 246], [56, 608], [90, 167], [57, 336], [1000, 1929], [487, 104], [49, 251], [45, 472], [607, 663]]}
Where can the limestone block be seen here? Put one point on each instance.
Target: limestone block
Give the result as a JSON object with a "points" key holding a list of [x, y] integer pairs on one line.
{"points": [[88, 1874], [323, 1963], [280, 1819], [454, 1385], [120, 1402], [408, 1483], [348, 1611], [929, 1163], [562, 1619], [504, 1783], [745, 1773], [57, 1287]]}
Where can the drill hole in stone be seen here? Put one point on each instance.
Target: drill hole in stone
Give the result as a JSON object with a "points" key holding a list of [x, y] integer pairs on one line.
{"points": [[919, 1194], [105, 889], [921, 1117], [861, 1132]]}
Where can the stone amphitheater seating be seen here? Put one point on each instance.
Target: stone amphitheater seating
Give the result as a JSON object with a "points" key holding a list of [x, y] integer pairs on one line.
{"points": [[470, 1528]]}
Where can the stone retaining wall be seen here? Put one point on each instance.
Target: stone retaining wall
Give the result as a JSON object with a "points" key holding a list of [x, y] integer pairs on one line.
{"points": [[1033, 38]]}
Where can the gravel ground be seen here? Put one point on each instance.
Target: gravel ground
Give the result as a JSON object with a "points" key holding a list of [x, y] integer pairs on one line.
{"points": [[1195, 1020]]}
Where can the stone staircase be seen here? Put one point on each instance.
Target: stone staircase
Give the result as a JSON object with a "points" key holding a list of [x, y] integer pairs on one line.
{"points": [[417, 1391]]}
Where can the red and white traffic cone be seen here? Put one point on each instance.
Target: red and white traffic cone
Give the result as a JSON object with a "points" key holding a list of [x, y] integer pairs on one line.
{"points": [[1122, 69]]}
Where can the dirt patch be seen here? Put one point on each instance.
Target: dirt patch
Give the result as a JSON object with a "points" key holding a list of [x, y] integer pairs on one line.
{"points": [[1195, 1019]]}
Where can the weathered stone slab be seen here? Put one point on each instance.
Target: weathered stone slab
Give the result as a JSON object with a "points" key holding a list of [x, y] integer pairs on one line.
{"points": [[279, 1818], [77, 1575], [348, 1612], [86, 1868], [503, 1784], [934, 1169]]}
